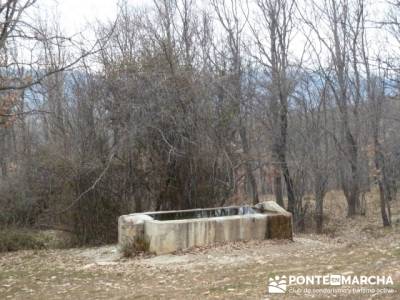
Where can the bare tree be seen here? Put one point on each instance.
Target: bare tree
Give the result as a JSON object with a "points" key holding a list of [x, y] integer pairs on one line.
{"points": [[341, 20], [233, 21], [312, 97], [273, 41]]}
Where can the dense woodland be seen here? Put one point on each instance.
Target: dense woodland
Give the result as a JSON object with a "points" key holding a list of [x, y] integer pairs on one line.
{"points": [[187, 103]]}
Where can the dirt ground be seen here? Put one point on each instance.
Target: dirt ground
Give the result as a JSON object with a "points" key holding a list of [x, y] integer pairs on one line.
{"points": [[357, 246]]}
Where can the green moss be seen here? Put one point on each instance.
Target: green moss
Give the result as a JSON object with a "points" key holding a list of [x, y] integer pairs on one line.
{"points": [[279, 227], [135, 246]]}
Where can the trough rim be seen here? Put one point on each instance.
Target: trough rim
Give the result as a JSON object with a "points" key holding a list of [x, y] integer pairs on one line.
{"points": [[235, 217], [189, 210]]}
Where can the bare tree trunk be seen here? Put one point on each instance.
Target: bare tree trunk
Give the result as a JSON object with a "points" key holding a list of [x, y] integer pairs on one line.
{"points": [[353, 197], [249, 172], [289, 188], [319, 211], [3, 151], [280, 148], [320, 191], [385, 206], [384, 188], [278, 189]]}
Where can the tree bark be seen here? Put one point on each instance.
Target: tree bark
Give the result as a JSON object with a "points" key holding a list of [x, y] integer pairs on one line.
{"points": [[249, 172], [384, 188], [278, 189]]}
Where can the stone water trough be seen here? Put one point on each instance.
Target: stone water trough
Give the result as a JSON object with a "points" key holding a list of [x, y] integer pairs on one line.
{"points": [[169, 231]]}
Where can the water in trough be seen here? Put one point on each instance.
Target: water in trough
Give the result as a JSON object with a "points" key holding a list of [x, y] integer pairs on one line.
{"points": [[204, 213]]}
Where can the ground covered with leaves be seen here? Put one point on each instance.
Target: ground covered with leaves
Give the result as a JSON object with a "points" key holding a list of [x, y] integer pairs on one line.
{"points": [[357, 246]]}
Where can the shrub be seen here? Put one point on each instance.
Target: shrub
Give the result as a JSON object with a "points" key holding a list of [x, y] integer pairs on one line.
{"points": [[13, 240]]}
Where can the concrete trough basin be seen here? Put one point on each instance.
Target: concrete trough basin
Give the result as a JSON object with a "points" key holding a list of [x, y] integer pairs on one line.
{"points": [[169, 231]]}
